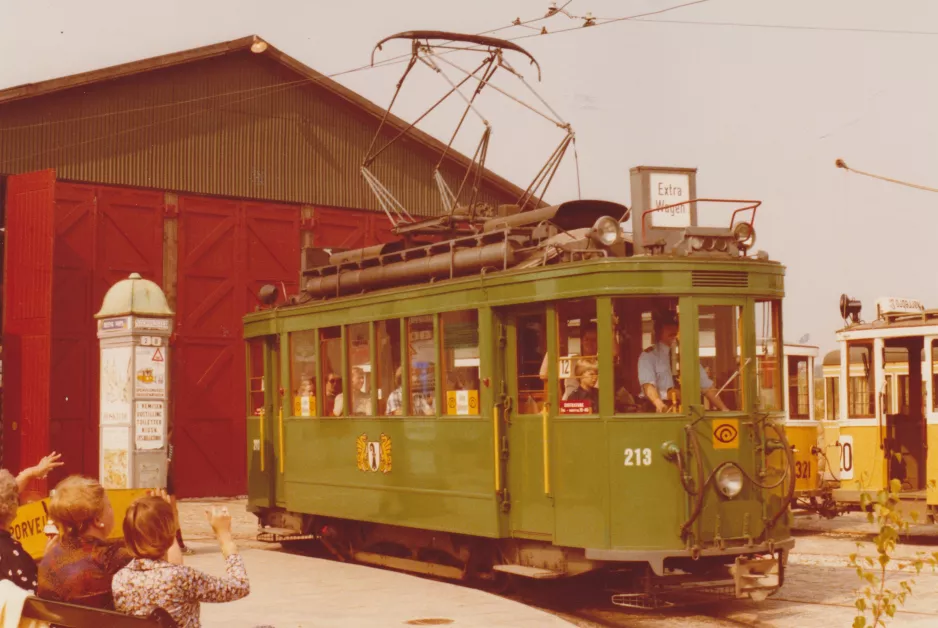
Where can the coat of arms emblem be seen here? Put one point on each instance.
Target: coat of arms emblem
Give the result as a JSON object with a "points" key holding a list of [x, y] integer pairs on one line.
{"points": [[374, 455]]}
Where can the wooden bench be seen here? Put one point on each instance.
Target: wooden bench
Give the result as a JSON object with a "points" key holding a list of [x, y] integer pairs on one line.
{"points": [[75, 616]]}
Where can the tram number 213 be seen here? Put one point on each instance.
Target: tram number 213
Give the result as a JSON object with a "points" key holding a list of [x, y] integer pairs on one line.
{"points": [[638, 457]]}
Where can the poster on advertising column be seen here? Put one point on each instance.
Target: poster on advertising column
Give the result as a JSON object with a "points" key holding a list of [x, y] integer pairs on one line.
{"points": [[150, 376], [116, 457], [150, 424], [116, 371]]}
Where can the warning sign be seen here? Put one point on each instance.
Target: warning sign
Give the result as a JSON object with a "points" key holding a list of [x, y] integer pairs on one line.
{"points": [[726, 434], [150, 367], [151, 419]]}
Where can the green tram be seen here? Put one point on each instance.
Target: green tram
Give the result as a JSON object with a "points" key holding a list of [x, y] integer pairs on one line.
{"points": [[497, 422]]}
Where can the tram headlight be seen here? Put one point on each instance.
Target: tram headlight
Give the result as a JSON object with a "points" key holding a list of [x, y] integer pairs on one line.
{"points": [[606, 231], [696, 242], [730, 480]]}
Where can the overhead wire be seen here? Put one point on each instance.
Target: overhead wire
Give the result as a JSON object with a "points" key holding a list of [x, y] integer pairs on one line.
{"points": [[841, 164]]}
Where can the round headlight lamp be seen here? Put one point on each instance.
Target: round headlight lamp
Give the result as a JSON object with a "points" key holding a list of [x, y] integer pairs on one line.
{"points": [[696, 242], [606, 231], [730, 480]]}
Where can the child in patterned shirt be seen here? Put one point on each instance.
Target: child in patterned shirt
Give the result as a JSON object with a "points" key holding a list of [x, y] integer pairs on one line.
{"points": [[150, 581]]}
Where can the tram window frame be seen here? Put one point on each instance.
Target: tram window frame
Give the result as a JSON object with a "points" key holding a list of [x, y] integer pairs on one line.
{"points": [[724, 381], [460, 405], [389, 364], [869, 377], [361, 405], [255, 356], [768, 326], [330, 343], [575, 369], [802, 391], [634, 324], [531, 349], [423, 372], [298, 408], [934, 377], [832, 398]]}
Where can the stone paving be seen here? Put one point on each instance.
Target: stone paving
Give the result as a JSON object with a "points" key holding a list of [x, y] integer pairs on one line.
{"points": [[296, 590], [291, 590]]}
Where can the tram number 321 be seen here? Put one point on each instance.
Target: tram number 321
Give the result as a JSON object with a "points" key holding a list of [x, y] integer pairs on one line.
{"points": [[638, 457]]}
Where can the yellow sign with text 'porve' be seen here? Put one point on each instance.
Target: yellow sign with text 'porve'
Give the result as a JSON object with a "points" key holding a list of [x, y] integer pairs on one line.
{"points": [[29, 526], [726, 434]]}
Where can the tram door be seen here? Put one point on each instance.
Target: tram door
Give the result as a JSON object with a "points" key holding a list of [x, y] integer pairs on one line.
{"points": [[524, 347], [902, 405], [263, 361]]}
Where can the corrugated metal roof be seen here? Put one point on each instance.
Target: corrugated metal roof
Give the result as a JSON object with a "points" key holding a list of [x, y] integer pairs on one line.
{"points": [[167, 146]]}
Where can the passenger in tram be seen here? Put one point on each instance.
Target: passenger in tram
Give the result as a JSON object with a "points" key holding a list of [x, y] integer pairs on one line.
{"points": [[420, 406], [333, 388], [587, 374], [589, 348], [361, 401], [654, 370]]}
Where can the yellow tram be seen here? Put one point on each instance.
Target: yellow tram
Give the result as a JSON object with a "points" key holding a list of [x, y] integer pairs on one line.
{"points": [[880, 406]]}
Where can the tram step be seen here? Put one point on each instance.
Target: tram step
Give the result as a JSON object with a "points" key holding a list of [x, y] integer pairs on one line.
{"points": [[529, 572], [278, 535]]}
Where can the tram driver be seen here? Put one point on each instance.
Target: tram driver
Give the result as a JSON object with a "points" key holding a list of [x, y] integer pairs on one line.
{"points": [[654, 370]]}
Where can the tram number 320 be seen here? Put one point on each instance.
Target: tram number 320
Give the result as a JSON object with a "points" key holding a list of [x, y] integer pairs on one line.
{"points": [[638, 457]]}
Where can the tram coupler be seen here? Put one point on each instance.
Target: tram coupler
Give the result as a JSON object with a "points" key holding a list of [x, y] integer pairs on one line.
{"points": [[756, 578]]}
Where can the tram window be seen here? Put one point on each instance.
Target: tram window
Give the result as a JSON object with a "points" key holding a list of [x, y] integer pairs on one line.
{"points": [[303, 372], [531, 346], [423, 355], [460, 344], [641, 352], [769, 373], [861, 393], [798, 391], [934, 377], [330, 356], [256, 376], [832, 398], [578, 364], [388, 337], [903, 406], [359, 373], [720, 330]]}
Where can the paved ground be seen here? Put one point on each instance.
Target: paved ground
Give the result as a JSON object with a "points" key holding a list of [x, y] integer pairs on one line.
{"points": [[297, 590], [289, 590]]}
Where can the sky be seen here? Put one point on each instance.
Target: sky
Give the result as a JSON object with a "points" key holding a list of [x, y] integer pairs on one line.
{"points": [[761, 109]]}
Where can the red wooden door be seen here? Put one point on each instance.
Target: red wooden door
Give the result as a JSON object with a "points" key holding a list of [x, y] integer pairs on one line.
{"points": [[27, 317], [227, 250], [102, 235]]}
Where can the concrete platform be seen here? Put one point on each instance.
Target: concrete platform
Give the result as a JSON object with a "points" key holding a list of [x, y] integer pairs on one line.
{"points": [[289, 590]]}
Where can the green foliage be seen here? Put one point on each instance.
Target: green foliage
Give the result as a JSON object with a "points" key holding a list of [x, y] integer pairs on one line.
{"points": [[875, 599]]}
